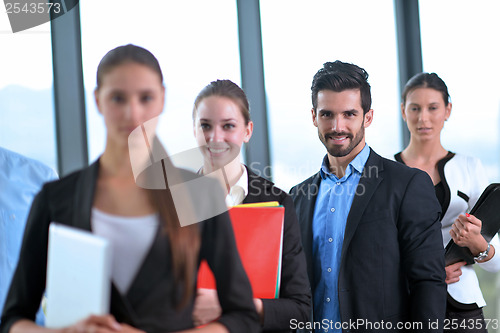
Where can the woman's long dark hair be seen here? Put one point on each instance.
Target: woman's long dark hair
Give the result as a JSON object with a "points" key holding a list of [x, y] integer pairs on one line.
{"points": [[184, 241]]}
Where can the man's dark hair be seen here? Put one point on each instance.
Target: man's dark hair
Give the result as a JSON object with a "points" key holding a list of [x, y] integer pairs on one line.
{"points": [[339, 76]]}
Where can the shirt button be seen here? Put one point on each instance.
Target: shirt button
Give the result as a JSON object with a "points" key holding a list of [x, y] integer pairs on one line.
{"points": [[332, 210], [338, 183], [330, 239], [328, 299], [13, 217], [329, 269]]}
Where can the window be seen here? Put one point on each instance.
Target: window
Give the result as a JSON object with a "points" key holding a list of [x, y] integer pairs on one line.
{"points": [[195, 42], [459, 44], [308, 35], [26, 96]]}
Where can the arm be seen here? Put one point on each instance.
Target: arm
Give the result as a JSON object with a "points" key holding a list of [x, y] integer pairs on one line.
{"points": [[28, 282], [96, 324], [466, 231], [422, 252], [295, 295], [294, 300], [493, 262], [478, 182], [233, 288]]}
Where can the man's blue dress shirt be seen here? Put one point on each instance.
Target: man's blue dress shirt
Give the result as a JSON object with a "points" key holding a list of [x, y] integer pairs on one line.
{"points": [[333, 203], [20, 180]]}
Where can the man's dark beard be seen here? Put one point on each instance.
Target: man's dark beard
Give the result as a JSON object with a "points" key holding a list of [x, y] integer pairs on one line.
{"points": [[341, 152]]}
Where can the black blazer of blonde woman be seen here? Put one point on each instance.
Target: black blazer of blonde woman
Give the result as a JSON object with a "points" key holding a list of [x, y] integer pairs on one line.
{"points": [[150, 302], [294, 302]]}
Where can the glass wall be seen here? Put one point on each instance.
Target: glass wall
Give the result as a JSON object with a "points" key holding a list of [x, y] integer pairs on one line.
{"points": [[26, 97], [298, 37], [195, 41], [460, 44]]}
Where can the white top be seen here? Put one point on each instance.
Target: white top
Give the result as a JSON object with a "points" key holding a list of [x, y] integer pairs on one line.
{"points": [[130, 239], [239, 191], [467, 175]]}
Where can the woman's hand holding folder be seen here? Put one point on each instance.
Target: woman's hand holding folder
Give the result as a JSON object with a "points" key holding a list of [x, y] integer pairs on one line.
{"points": [[466, 231]]}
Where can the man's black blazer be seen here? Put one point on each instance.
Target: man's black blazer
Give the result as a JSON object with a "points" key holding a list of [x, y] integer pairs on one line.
{"points": [[295, 292], [392, 261]]}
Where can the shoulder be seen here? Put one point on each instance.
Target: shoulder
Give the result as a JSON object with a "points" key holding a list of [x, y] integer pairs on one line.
{"points": [[460, 160], [25, 169], [391, 168], [196, 197], [264, 189], [66, 187], [467, 174], [462, 167], [312, 180], [395, 177], [306, 190], [56, 200]]}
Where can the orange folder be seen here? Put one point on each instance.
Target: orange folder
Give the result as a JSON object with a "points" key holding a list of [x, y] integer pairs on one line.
{"points": [[259, 237]]}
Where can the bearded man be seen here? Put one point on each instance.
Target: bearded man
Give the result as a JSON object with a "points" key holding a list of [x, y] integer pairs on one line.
{"points": [[370, 226]]}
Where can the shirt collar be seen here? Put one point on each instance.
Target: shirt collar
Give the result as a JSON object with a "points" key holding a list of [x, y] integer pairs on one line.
{"points": [[238, 191], [358, 163]]}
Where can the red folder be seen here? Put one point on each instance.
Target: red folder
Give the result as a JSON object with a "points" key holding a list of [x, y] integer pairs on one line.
{"points": [[259, 237]]}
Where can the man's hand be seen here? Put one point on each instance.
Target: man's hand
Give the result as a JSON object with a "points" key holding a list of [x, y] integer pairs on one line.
{"points": [[454, 271]]}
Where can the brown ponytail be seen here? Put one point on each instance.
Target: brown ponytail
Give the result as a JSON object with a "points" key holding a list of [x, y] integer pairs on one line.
{"points": [[184, 243]]}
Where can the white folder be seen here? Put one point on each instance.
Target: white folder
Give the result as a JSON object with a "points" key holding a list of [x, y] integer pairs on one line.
{"points": [[78, 275]]}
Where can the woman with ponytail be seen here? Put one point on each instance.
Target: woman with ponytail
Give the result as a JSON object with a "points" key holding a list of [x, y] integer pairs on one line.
{"points": [[156, 251]]}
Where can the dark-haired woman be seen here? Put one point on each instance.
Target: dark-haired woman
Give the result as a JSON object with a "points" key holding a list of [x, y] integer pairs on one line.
{"points": [[221, 120], [459, 181], [155, 260]]}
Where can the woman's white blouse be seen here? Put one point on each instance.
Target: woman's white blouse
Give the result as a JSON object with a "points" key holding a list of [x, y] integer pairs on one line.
{"points": [[131, 239], [467, 175], [238, 191]]}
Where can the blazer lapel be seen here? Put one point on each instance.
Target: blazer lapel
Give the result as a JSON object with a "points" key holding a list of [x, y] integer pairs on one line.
{"points": [[153, 269], [84, 196], [368, 183], [256, 188], [121, 308]]}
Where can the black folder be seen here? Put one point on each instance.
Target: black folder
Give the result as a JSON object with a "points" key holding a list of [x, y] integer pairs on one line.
{"points": [[487, 209]]}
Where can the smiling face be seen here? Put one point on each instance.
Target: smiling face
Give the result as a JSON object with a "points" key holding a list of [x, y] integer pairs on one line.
{"points": [[220, 130], [340, 122], [130, 94], [425, 113]]}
